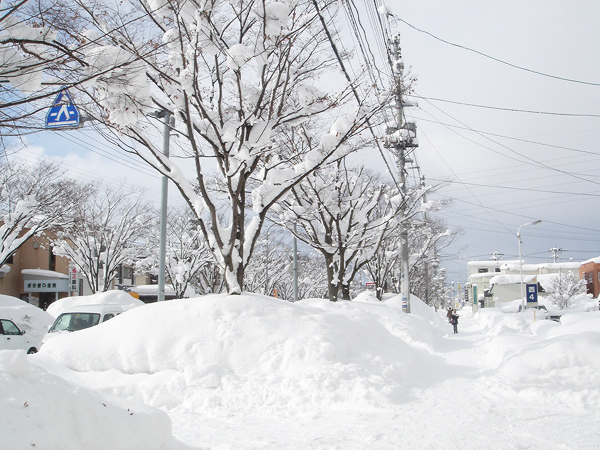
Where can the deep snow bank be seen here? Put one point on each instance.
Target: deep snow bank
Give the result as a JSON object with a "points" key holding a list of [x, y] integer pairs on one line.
{"points": [[40, 410], [543, 359], [239, 352]]}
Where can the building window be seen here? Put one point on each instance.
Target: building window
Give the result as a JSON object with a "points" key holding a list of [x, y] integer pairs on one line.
{"points": [[127, 272], [497, 269], [482, 270], [51, 258]]}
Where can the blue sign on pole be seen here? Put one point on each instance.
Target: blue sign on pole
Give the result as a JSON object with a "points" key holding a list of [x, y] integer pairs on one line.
{"points": [[63, 113], [532, 293]]}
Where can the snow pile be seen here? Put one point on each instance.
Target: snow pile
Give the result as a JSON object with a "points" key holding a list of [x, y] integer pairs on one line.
{"points": [[31, 319], [496, 322], [41, 410], [235, 353], [254, 372], [560, 362], [115, 297]]}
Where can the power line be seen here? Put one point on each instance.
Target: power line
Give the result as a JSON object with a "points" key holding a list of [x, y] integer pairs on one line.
{"points": [[531, 160], [560, 147], [492, 57], [498, 108]]}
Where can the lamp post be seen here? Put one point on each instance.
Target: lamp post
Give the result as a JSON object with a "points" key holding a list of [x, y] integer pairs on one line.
{"points": [[169, 123], [536, 222]]}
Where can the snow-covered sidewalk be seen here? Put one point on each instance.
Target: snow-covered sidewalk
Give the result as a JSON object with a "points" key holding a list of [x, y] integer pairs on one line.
{"points": [[251, 372]]}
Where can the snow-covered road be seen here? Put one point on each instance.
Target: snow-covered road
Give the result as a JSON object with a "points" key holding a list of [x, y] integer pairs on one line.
{"points": [[251, 372]]}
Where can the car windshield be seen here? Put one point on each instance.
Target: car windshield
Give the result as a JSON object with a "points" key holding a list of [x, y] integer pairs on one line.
{"points": [[74, 321]]}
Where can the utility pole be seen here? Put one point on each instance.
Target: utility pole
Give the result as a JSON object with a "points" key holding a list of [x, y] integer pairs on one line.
{"points": [[401, 137], [555, 251], [426, 263], [495, 256]]}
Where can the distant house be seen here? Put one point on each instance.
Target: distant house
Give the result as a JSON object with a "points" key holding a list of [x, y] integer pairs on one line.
{"points": [[501, 282], [590, 272], [34, 274], [480, 273]]}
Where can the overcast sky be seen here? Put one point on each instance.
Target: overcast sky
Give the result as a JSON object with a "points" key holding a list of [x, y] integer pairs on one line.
{"points": [[504, 168], [498, 181]]}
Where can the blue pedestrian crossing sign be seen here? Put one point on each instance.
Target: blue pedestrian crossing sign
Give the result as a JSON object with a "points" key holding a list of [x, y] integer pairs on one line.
{"points": [[63, 113]]}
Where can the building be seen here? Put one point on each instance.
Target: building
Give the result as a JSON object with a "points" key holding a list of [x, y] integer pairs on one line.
{"points": [[34, 274], [480, 273], [590, 272], [492, 283]]}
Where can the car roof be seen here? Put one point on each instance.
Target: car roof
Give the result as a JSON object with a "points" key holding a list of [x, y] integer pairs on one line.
{"points": [[97, 309]]}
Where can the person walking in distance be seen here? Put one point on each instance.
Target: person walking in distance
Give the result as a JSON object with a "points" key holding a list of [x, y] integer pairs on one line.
{"points": [[454, 321], [449, 315]]}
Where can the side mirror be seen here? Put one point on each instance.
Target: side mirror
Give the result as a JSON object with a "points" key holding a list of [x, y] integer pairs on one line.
{"points": [[22, 332]]}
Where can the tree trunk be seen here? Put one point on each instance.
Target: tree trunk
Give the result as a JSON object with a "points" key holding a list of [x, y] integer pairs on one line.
{"points": [[332, 288], [346, 292]]}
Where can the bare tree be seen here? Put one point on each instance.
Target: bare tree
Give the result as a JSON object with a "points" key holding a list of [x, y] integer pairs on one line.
{"points": [[312, 278], [105, 235], [564, 288], [186, 250], [41, 51], [236, 76], [428, 238], [383, 265], [345, 213], [33, 199], [270, 262]]}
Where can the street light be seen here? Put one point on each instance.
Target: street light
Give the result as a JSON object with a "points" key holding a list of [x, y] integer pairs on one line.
{"points": [[537, 222], [169, 123]]}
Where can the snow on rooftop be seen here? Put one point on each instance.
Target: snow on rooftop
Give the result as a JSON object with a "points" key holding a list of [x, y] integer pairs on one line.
{"points": [[512, 279], [152, 289], [489, 263], [43, 273]]}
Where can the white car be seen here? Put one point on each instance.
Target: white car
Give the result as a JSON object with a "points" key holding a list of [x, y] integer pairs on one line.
{"points": [[13, 338], [80, 317]]}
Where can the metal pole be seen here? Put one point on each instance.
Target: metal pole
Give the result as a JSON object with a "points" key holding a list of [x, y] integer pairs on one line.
{"points": [[536, 222], [521, 268], [267, 260], [295, 265], [162, 251]]}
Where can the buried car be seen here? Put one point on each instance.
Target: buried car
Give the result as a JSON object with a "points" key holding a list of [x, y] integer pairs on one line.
{"points": [[13, 338], [80, 317]]}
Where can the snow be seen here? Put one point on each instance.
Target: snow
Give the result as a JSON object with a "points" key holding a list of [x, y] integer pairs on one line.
{"points": [[101, 298], [251, 372], [511, 279], [43, 273], [238, 55], [34, 321]]}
